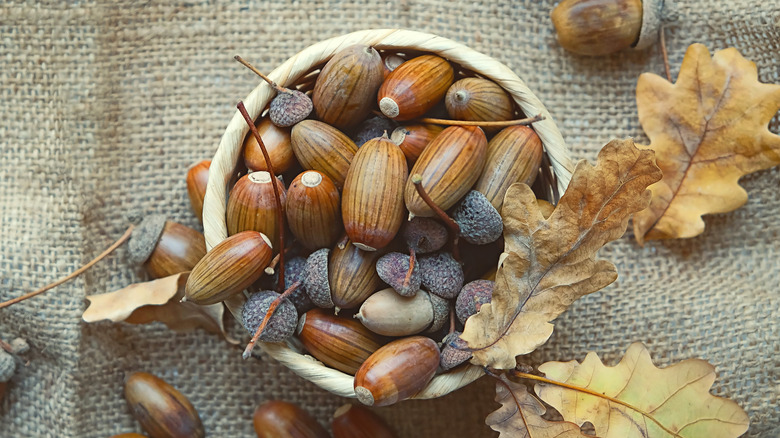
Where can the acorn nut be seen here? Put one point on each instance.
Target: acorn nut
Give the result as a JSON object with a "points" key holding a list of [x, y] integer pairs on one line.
{"points": [[165, 247], [275, 419], [313, 210], [252, 206], [162, 410], [397, 371], [197, 180], [319, 146], [478, 99], [387, 313], [598, 27], [277, 143], [353, 276], [415, 87], [356, 421], [413, 139]]}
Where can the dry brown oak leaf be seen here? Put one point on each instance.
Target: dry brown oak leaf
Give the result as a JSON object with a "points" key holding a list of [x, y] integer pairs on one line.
{"points": [[520, 415], [708, 129], [636, 399], [156, 300], [548, 264]]}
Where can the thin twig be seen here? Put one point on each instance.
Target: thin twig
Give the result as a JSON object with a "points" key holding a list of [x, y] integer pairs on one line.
{"points": [[259, 73], [665, 54], [412, 262], [75, 273], [451, 224], [490, 124], [275, 185]]}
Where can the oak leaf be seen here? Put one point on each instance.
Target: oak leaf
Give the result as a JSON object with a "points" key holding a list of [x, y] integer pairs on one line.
{"points": [[520, 415], [550, 263], [708, 129], [636, 399], [156, 300]]}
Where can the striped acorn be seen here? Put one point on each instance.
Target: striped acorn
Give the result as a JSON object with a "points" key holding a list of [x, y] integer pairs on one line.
{"points": [[280, 419], [356, 421], [414, 138], [397, 371], [229, 268], [415, 87], [319, 146], [178, 250], [352, 274], [478, 99], [160, 408], [373, 200], [513, 155], [277, 143], [252, 206], [449, 166], [313, 210], [337, 341], [197, 179], [346, 86]]}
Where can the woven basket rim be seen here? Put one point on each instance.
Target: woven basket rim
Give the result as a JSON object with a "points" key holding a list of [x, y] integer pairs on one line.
{"points": [[229, 151]]}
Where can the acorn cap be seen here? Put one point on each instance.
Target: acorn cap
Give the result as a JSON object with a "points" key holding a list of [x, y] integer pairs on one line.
{"points": [[315, 279], [294, 270], [472, 297], [392, 269], [144, 238], [281, 325], [442, 275], [453, 351], [424, 234], [479, 222], [441, 313], [289, 108]]}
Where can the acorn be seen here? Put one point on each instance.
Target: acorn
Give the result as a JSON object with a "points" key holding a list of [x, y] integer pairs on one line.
{"points": [[162, 410], [598, 27], [478, 99], [345, 88], [372, 205], [319, 146], [478, 220], [252, 206], [372, 128], [277, 143], [339, 342], [282, 323], [294, 271], [397, 371], [387, 313], [390, 62], [449, 166], [356, 421], [165, 247], [415, 87], [393, 269], [414, 138], [513, 155], [441, 313], [313, 210], [353, 276], [454, 351], [230, 267], [276, 419], [424, 235], [197, 180], [471, 298]]}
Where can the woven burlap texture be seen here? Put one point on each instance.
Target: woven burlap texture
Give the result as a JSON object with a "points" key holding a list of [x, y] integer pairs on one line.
{"points": [[106, 104]]}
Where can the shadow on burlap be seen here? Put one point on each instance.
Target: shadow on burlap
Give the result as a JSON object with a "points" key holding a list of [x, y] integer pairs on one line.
{"points": [[104, 106]]}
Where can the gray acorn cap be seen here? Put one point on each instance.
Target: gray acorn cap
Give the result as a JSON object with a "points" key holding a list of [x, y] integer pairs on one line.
{"points": [[441, 313], [479, 222], [281, 325], [315, 279], [144, 238]]}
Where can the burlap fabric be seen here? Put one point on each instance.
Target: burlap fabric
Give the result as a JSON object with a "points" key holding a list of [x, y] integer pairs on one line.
{"points": [[105, 105]]}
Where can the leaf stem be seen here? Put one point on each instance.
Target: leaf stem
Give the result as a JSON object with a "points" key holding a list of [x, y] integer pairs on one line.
{"points": [[73, 274], [268, 314], [662, 37], [273, 84], [451, 224], [522, 375], [275, 186]]}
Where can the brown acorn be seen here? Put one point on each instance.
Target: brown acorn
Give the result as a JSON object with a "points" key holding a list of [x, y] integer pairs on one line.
{"points": [[390, 62], [356, 421], [313, 210], [513, 155], [346, 86], [373, 200], [449, 166], [277, 143], [352, 274], [598, 27], [415, 87], [252, 206], [276, 419], [230, 267], [165, 247], [197, 180], [162, 410], [337, 341], [321, 147], [478, 99], [397, 371], [414, 138]]}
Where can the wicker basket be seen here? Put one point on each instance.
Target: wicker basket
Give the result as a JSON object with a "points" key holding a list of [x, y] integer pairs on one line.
{"points": [[227, 157]]}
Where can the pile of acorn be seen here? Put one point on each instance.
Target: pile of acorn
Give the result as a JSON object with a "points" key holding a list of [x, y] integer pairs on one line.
{"points": [[381, 245]]}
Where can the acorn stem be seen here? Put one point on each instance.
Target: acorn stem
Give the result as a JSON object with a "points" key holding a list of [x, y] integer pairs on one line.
{"points": [[452, 320], [412, 260], [492, 124], [6, 346], [257, 72], [73, 274], [664, 53], [451, 224], [275, 184], [268, 314]]}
